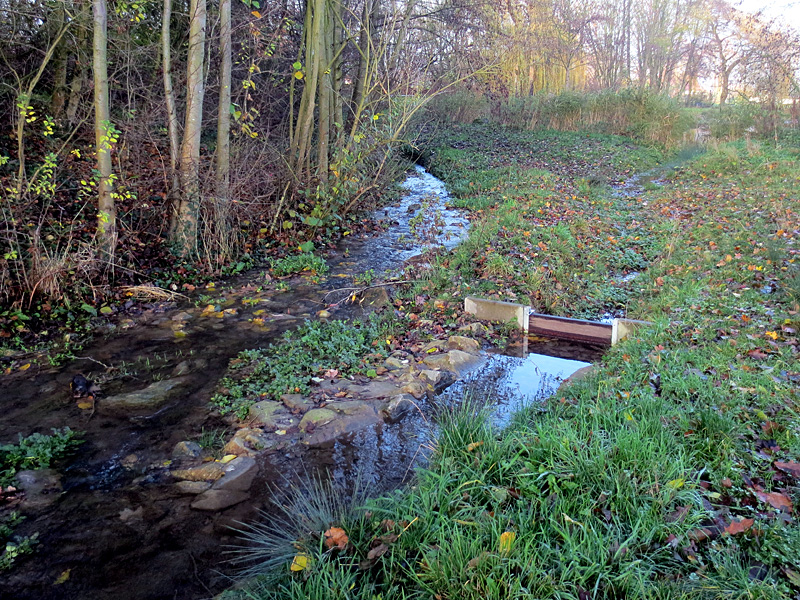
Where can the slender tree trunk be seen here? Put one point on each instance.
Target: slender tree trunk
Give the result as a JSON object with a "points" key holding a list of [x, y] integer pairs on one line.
{"points": [[78, 78], [224, 115], [172, 111], [59, 97], [185, 232], [325, 97], [301, 146], [371, 8], [106, 211]]}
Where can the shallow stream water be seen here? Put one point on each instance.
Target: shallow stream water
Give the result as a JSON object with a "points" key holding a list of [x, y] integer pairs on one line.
{"points": [[118, 530]]}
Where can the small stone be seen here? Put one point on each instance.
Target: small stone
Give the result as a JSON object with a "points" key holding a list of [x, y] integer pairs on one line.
{"points": [[434, 345], [465, 344], [247, 442], [416, 389], [374, 298], [187, 449], [182, 317], [42, 487], [213, 500], [297, 402], [398, 407], [430, 376], [438, 361], [126, 514], [207, 472], [239, 475], [192, 487], [476, 329], [182, 368], [394, 363], [348, 407], [316, 418], [267, 413], [460, 359], [378, 389]]}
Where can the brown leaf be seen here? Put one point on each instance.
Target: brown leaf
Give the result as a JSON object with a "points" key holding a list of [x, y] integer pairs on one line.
{"points": [[389, 538], [678, 515], [727, 483], [757, 354], [739, 526], [387, 524], [335, 537], [776, 500], [792, 468], [377, 552]]}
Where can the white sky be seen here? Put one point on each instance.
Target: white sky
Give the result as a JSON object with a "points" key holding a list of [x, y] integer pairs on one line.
{"points": [[785, 11]]}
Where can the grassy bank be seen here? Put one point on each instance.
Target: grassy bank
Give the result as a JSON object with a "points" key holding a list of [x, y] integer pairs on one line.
{"points": [[672, 471]]}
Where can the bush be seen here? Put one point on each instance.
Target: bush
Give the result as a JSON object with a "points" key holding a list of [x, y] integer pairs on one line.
{"points": [[37, 451]]}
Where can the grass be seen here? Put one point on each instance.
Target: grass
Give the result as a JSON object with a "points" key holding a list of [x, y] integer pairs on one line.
{"points": [[673, 470], [350, 347]]}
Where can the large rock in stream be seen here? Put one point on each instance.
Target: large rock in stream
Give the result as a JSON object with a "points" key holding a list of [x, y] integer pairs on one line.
{"points": [[147, 399]]}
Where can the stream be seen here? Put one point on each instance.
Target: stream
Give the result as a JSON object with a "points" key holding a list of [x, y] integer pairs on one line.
{"points": [[111, 525]]}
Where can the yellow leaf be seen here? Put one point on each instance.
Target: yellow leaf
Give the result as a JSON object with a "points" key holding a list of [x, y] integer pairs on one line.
{"points": [[85, 405], [62, 578], [507, 539], [676, 483], [227, 458], [179, 333], [259, 312], [25, 367], [299, 563], [473, 446], [298, 74], [569, 519], [256, 14], [772, 334]]}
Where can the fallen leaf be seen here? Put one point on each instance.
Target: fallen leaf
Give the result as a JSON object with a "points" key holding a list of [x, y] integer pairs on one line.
{"points": [[299, 563], [63, 577], [507, 539], [792, 468], [776, 500], [83, 405], [377, 552], [474, 446], [737, 527], [336, 537]]}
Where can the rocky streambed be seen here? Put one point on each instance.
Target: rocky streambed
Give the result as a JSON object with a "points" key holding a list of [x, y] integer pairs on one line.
{"points": [[144, 510]]}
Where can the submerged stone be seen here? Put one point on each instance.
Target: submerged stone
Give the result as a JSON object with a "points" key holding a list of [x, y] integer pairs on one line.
{"points": [[151, 397], [206, 472], [214, 500], [316, 418], [239, 475]]}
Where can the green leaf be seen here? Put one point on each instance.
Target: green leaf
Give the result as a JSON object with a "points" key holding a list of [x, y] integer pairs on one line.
{"points": [[307, 246], [106, 310], [297, 66], [89, 309], [287, 225]]}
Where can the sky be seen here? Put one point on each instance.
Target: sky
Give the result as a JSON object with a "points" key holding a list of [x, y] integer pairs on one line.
{"points": [[785, 11]]}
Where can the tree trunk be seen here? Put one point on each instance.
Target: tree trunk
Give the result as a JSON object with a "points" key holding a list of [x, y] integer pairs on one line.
{"points": [[325, 97], [78, 78], [59, 97], [185, 232], [224, 115], [106, 211], [172, 111], [301, 146], [371, 8]]}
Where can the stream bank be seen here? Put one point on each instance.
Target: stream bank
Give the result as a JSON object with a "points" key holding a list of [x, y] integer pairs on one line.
{"points": [[114, 523]]}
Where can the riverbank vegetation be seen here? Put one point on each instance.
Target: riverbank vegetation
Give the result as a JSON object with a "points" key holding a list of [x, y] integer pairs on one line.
{"points": [[670, 472], [123, 171]]}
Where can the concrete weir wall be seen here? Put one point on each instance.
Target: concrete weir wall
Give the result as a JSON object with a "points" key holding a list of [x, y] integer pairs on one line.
{"points": [[591, 332]]}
